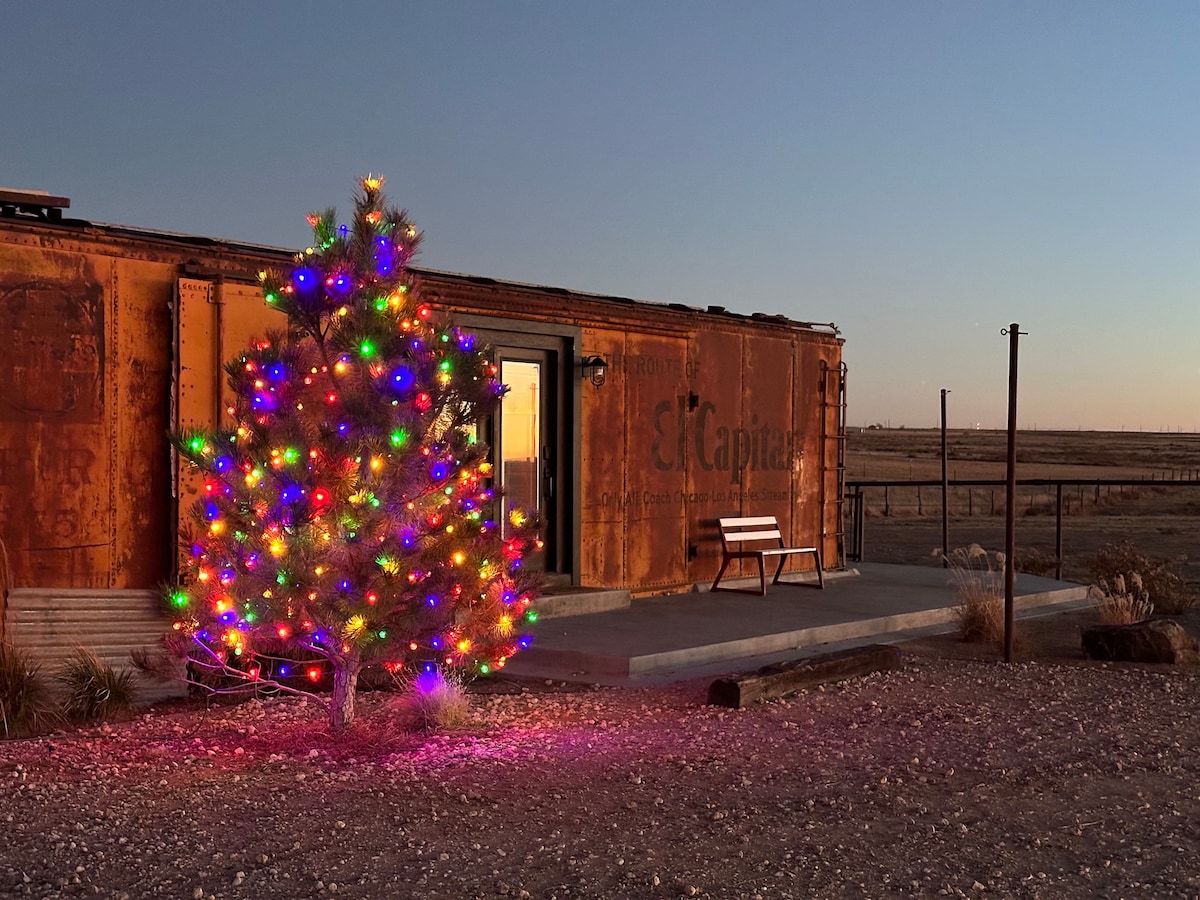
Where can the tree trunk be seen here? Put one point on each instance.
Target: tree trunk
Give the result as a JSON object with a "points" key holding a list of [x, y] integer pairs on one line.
{"points": [[345, 682]]}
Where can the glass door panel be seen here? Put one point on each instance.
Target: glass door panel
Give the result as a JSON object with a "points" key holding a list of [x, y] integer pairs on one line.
{"points": [[521, 428]]}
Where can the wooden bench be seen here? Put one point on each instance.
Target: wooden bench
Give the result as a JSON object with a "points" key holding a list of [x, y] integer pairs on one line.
{"points": [[737, 532]]}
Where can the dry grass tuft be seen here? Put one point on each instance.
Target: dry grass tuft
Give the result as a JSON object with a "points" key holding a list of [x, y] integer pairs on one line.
{"points": [[1122, 603], [92, 689], [26, 704], [434, 701], [979, 578], [1172, 595]]}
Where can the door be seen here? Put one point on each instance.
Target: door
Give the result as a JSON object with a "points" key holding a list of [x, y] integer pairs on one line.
{"points": [[526, 441], [534, 434]]}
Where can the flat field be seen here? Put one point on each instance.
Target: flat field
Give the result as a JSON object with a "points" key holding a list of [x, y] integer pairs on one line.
{"points": [[1159, 515]]}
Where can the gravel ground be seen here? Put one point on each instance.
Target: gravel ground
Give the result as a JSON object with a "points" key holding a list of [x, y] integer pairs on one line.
{"points": [[953, 775]]}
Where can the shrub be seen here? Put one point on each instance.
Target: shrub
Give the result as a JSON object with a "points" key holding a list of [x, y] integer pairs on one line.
{"points": [[1172, 595], [435, 700], [26, 705], [1035, 561], [979, 579], [1122, 604], [92, 689]]}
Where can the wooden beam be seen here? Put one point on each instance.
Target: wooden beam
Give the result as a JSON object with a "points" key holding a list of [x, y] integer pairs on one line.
{"points": [[783, 679], [33, 199]]}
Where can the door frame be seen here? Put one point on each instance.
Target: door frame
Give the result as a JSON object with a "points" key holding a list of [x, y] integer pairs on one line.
{"points": [[565, 342]]}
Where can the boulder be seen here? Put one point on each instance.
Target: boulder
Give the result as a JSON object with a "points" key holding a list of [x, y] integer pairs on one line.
{"points": [[1152, 641]]}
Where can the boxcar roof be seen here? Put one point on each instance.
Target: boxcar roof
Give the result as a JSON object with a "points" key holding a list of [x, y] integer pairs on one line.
{"points": [[283, 256]]}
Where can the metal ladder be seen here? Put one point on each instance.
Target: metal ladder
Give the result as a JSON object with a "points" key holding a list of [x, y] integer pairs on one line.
{"points": [[833, 456]]}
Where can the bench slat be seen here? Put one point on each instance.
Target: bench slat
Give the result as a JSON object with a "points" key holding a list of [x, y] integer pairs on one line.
{"points": [[753, 536], [747, 520]]}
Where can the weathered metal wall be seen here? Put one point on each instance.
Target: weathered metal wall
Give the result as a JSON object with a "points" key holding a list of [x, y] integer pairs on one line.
{"points": [[82, 416], [714, 422], [701, 416]]}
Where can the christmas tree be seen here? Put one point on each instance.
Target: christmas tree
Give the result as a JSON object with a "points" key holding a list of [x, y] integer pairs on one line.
{"points": [[349, 519]]}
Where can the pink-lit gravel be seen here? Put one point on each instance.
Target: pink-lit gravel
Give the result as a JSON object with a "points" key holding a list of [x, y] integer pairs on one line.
{"points": [[945, 777]]}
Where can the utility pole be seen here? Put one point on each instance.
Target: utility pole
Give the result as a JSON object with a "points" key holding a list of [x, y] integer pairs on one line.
{"points": [[945, 490], [1010, 505]]}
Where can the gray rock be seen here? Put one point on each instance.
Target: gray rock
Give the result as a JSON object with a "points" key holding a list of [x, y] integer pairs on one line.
{"points": [[1152, 641]]}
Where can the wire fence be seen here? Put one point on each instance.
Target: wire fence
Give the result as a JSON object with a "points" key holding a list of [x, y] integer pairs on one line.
{"points": [[1056, 498]]}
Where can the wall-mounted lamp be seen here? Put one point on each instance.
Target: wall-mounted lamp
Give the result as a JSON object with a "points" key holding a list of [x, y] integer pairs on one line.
{"points": [[595, 369]]}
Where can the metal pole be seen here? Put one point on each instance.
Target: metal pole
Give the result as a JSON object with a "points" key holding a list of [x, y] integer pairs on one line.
{"points": [[945, 491], [1058, 536], [1010, 505]]}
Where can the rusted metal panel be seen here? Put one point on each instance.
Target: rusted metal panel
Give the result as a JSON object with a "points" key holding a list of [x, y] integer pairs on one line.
{"points": [[197, 377], [656, 396], [602, 475], [744, 444], [814, 421], [244, 316], [771, 464], [141, 332], [768, 452], [715, 401], [55, 481], [215, 322]]}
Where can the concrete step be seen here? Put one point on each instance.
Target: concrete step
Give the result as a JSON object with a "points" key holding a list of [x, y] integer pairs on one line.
{"points": [[580, 602]]}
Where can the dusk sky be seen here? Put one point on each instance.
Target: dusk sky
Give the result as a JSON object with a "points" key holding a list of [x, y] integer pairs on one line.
{"points": [[922, 174]]}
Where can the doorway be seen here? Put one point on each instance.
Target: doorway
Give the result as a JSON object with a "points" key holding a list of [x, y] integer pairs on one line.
{"points": [[523, 450], [532, 435]]}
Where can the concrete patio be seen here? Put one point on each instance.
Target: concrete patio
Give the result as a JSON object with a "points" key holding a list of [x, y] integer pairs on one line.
{"points": [[699, 634]]}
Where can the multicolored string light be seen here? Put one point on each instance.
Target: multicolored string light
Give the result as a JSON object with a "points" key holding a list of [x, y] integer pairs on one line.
{"points": [[349, 517]]}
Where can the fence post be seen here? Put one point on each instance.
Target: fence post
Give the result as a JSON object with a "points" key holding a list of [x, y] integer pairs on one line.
{"points": [[1058, 536]]}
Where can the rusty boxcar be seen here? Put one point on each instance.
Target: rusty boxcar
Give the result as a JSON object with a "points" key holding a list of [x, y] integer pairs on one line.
{"points": [[631, 425]]}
